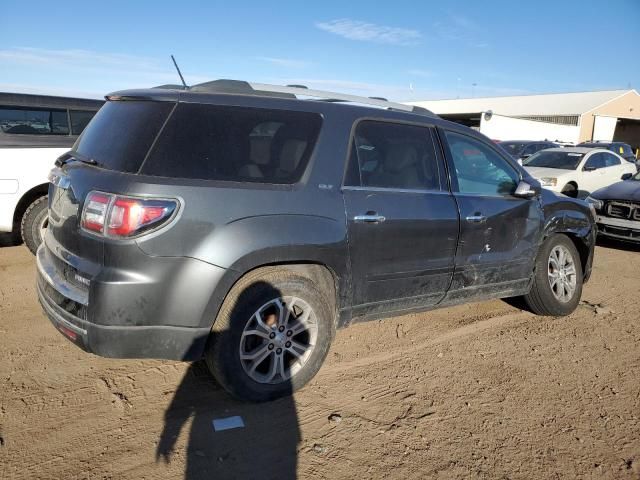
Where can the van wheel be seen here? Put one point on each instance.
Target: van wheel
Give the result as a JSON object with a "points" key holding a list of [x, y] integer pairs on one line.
{"points": [[570, 190], [271, 335], [34, 224], [557, 281]]}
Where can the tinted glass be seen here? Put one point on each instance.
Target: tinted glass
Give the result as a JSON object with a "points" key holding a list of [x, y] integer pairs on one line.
{"points": [[554, 159], [479, 169], [121, 133], [391, 155], [610, 160], [27, 121], [211, 142], [595, 162], [513, 148], [79, 120]]}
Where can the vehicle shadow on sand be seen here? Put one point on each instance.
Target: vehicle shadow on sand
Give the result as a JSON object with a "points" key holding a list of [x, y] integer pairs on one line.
{"points": [[265, 447]]}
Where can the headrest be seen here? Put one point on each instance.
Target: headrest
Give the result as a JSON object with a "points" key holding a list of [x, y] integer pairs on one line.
{"points": [[260, 150], [291, 154], [400, 157]]}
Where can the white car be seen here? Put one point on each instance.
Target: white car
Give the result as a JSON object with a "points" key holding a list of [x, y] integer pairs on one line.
{"points": [[34, 131], [578, 170]]}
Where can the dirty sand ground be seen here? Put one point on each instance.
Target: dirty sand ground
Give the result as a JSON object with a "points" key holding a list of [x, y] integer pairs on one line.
{"points": [[478, 391]]}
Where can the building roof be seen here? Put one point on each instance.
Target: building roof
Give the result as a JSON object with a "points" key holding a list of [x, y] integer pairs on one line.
{"points": [[575, 103]]}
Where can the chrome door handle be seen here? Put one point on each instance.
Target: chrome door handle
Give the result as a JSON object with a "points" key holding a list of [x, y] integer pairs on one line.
{"points": [[476, 218], [369, 218]]}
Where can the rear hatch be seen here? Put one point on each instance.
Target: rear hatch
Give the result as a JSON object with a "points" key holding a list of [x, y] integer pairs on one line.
{"points": [[111, 149]]}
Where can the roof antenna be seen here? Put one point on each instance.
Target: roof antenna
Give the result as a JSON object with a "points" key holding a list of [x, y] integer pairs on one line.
{"points": [[179, 72]]}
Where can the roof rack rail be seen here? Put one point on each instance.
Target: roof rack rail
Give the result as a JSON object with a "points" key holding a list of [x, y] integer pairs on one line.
{"points": [[235, 86], [296, 91]]}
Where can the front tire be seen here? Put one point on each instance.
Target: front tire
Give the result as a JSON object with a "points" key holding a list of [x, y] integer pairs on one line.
{"points": [[570, 190], [34, 223], [271, 335], [557, 281]]}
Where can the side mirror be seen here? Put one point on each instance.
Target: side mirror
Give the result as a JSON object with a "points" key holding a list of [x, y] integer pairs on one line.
{"points": [[588, 169], [526, 190], [627, 176]]}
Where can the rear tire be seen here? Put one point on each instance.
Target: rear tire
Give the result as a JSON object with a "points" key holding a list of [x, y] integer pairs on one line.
{"points": [[236, 332], [33, 223], [558, 261]]}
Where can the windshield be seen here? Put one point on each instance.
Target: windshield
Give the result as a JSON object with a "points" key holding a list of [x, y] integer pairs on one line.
{"points": [[512, 148], [552, 159]]}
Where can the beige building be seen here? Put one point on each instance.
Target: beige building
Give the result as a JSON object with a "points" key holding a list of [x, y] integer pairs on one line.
{"points": [[569, 117]]}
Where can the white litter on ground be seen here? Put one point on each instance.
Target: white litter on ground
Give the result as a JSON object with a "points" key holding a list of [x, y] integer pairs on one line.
{"points": [[221, 424]]}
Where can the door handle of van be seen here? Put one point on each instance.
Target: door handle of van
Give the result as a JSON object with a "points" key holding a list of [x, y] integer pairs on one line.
{"points": [[476, 218], [369, 218]]}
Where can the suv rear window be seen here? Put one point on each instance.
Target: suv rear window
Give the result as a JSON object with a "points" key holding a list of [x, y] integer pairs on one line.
{"points": [[212, 142], [121, 133]]}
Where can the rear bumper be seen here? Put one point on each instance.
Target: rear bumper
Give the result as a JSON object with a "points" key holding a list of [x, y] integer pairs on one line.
{"points": [[73, 311], [618, 228]]}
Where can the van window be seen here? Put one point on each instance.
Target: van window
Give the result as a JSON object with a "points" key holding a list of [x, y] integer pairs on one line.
{"points": [[240, 144], [79, 120], [33, 121]]}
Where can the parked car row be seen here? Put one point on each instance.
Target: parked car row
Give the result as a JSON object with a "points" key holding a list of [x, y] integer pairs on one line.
{"points": [[578, 171]]}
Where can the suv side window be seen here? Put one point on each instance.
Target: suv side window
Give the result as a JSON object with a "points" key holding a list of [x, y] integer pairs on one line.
{"points": [[610, 160], [595, 162], [479, 169], [393, 155], [236, 144], [531, 149]]}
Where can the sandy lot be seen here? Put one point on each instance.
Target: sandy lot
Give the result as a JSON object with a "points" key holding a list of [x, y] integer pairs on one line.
{"points": [[478, 391]]}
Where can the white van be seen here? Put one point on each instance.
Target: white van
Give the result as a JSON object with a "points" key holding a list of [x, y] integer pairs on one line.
{"points": [[34, 131]]}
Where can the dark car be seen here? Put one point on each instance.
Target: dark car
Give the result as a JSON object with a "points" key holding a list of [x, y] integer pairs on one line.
{"points": [[618, 209], [622, 149], [241, 224], [522, 149]]}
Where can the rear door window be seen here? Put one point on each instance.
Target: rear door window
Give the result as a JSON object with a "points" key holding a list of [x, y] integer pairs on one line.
{"points": [[610, 160], [393, 155], [121, 133], [212, 142]]}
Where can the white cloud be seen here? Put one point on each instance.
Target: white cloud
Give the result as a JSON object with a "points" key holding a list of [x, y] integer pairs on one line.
{"points": [[285, 62], [370, 32], [75, 57]]}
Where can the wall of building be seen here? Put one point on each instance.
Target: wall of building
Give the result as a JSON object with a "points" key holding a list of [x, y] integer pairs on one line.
{"points": [[500, 127], [627, 105]]}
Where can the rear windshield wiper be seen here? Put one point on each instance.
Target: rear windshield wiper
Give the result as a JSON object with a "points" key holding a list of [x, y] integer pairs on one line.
{"points": [[70, 156], [90, 161]]}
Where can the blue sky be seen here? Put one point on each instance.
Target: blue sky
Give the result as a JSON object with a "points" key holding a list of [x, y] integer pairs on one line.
{"points": [[401, 50]]}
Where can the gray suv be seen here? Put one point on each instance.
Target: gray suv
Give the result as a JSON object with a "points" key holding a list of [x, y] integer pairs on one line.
{"points": [[243, 224]]}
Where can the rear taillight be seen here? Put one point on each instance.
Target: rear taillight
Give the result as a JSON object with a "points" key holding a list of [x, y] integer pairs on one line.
{"points": [[116, 216]]}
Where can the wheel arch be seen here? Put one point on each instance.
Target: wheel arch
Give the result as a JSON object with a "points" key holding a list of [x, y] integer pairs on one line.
{"points": [[27, 199], [323, 274], [580, 230]]}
